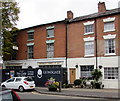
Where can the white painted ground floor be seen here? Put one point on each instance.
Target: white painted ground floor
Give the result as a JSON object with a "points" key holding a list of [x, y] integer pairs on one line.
{"points": [[77, 67], [83, 67]]}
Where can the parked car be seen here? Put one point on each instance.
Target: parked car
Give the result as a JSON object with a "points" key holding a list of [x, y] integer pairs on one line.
{"points": [[20, 83], [9, 95]]}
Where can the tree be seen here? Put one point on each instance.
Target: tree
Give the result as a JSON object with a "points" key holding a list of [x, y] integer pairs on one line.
{"points": [[9, 13]]}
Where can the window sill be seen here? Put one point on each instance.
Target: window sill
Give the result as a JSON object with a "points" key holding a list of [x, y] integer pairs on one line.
{"points": [[88, 33], [110, 54], [30, 40], [88, 55], [51, 37], [112, 30], [110, 79]]}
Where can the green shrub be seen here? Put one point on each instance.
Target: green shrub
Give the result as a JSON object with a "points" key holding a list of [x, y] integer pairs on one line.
{"points": [[77, 82]]}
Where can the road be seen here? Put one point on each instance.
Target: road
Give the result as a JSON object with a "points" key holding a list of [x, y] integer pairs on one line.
{"points": [[33, 96]]}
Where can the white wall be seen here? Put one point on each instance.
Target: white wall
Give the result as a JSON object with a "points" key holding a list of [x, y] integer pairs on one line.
{"points": [[104, 61], [36, 62]]}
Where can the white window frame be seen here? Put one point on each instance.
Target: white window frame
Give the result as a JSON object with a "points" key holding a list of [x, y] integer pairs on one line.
{"points": [[109, 48], [109, 37], [50, 50], [111, 73], [88, 26], [50, 28], [30, 55], [89, 48], [88, 41], [109, 22], [30, 35], [85, 70]]}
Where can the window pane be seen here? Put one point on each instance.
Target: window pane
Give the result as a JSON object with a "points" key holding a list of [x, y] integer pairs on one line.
{"points": [[50, 50], [109, 26], [50, 32], [89, 48], [109, 46], [86, 71], [88, 28], [30, 35], [30, 52], [110, 73]]}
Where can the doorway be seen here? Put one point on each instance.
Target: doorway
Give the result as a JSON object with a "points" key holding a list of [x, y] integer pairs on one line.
{"points": [[72, 75]]}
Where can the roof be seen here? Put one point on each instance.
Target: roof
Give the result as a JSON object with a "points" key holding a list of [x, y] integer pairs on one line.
{"points": [[86, 17], [44, 24], [96, 15]]}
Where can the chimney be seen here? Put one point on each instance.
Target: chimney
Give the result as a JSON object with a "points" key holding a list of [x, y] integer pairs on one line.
{"points": [[101, 7], [69, 15]]}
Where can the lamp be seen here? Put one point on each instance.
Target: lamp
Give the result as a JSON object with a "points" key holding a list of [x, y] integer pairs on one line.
{"points": [[76, 66], [100, 66]]}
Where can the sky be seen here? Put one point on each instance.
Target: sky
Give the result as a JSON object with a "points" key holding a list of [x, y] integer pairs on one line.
{"points": [[36, 12]]}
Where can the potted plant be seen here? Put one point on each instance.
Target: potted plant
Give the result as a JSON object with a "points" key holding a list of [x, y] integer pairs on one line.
{"points": [[77, 82], [52, 84], [97, 74]]}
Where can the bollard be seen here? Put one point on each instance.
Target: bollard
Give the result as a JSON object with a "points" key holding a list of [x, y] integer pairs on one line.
{"points": [[60, 86]]}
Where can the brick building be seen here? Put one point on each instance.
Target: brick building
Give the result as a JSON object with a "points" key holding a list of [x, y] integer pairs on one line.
{"points": [[81, 44], [93, 43], [42, 45]]}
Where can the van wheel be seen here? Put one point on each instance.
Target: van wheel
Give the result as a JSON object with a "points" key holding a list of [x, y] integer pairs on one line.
{"points": [[21, 88]]}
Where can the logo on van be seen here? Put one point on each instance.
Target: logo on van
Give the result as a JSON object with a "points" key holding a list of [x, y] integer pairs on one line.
{"points": [[39, 73]]}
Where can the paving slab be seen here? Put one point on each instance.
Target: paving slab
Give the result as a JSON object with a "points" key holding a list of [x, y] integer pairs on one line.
{"points": [[81, 92]]}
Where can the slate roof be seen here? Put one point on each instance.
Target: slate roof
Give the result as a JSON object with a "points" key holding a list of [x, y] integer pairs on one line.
{"points": [[96, 15]]}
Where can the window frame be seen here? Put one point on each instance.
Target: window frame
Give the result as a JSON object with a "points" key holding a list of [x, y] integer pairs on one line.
{"points": [[30, 55], [109, 46], [109, 26], [87, 50], [89, 29], [87, 70], [30, 35], [111, 75], [51, 29], [50, 50]]}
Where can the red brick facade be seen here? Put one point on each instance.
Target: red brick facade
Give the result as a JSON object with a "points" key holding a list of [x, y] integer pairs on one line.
{"points": [[75, 35], [40, 38]]}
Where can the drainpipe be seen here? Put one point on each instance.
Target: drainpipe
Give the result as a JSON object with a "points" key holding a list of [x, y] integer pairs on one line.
{"points": [[96, 55], [66, 23]]}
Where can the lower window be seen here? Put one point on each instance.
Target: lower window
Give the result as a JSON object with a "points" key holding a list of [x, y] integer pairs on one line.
{"points": [[86, 71], [111, 73]]}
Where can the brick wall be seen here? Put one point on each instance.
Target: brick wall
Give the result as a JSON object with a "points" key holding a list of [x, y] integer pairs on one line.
{"points": [[76, 35], [40, 41]]}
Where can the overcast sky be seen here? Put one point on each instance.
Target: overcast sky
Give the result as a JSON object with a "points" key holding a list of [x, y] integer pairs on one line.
{"points": [[35, 12]]}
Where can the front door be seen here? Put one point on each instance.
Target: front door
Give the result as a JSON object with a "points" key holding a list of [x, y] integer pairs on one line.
{"points": [[72, 75]]}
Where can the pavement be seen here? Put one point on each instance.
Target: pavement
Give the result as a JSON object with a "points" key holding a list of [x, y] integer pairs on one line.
{"points": [[83, 92]]}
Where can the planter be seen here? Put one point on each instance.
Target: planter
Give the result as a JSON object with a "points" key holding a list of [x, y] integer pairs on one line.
{"points": [[52, 89], [97, 85]]}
